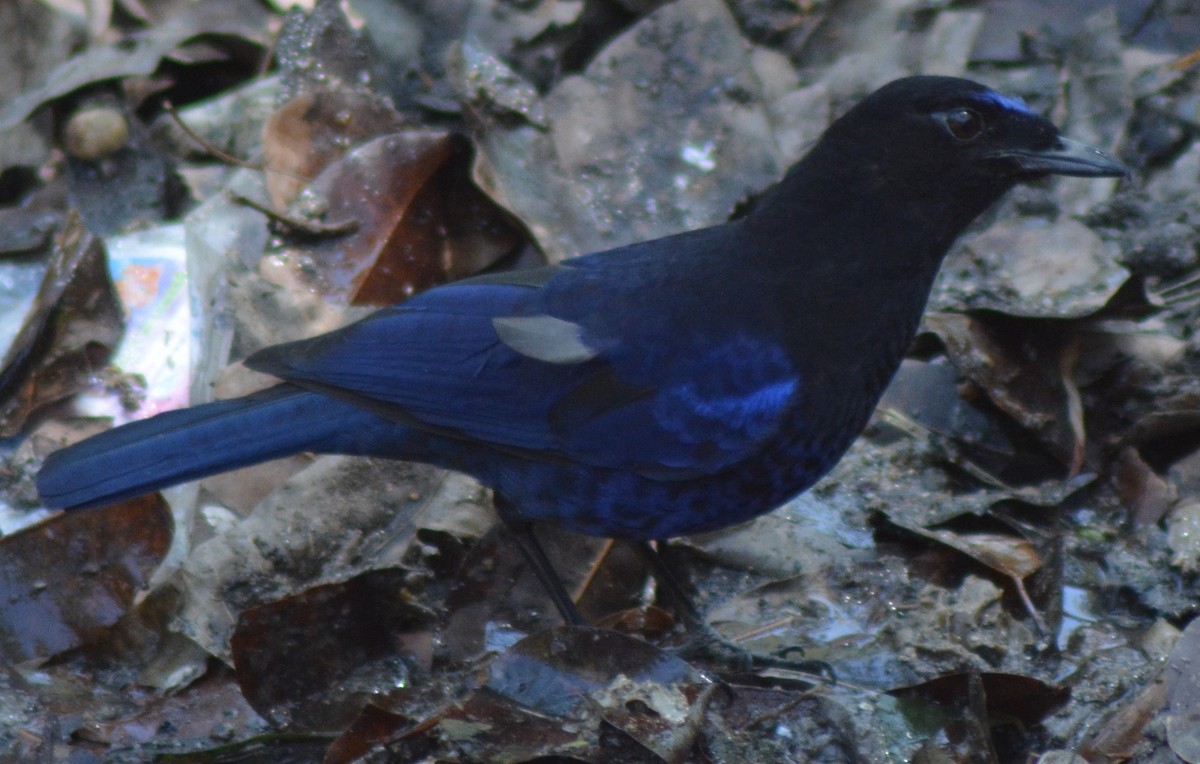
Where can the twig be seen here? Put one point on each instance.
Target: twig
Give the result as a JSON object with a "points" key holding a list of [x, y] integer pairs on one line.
{"points": [[204, 143], [299, 225]]}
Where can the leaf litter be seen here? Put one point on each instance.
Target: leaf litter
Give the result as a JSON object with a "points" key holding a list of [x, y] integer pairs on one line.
{"points": [[1002, 569]]}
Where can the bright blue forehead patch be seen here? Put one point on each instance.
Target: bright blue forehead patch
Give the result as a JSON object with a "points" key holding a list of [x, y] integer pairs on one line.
{"points": [[1012, 103]]}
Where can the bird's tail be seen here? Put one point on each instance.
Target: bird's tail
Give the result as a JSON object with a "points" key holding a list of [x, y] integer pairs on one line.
{"points": [[188, 444]]}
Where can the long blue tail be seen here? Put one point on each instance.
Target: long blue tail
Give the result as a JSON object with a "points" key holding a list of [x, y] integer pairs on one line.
{"points": [[188, 444]]}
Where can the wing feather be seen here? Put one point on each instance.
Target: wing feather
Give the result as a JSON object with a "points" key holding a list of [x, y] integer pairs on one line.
{"points": [[547, 366]]}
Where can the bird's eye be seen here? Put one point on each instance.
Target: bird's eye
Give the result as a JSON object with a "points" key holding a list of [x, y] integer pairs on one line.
{"points": [[964, 124]]}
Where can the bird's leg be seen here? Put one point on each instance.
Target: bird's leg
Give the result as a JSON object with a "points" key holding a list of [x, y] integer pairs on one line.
{"points": [[675, 592], [705, 641], [521, 532]]}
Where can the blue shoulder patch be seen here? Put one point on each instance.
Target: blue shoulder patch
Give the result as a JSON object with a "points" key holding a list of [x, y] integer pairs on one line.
{"points": [[735, 395], [1012, 103]]}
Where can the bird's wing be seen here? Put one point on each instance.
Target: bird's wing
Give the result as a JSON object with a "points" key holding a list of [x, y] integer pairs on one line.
{"points": [[550, 364]]}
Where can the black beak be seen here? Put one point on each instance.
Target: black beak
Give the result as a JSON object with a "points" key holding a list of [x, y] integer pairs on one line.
{"points": [[1068, 157]]}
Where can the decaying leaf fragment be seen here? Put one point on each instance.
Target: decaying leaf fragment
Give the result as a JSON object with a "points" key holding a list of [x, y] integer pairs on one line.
{"points": [[69, 334]]}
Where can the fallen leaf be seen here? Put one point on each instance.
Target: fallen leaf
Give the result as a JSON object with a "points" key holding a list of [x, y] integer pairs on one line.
{"points": [[1182, 675], [312, 661], [1144, 493], [306, 134], [64, 582], [418, 219], [69, 335], [139, 53]]}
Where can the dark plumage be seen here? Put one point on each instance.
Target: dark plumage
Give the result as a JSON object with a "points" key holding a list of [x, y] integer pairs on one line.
{"points": [[664, 388]]}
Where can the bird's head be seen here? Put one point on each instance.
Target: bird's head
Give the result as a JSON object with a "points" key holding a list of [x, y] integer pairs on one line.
{"points": [[950, 130]]}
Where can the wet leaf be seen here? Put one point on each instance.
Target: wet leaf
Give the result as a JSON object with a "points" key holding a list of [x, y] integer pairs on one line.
{"points": [[1008, 696], [1026, 373], [577, 683], [1010, 24], [490, 727], [491, 85], [1060, 757], [544, 37], [373, 726], [799, 536], [929, 394], [1144, 493], [212, 709], [1012, 556], [554, 671], [1117, 736], [802, 613], [1183, 535], [69, 334], [178, 661], [1034, 269], [418, 220], [312, 661], [64, 582], [337, 518], [1183, 695], [634, 148], [1174, 417], [304, 135], [773, 723], [138, 54], [321, 49], [1031, 357], [27, 229]]}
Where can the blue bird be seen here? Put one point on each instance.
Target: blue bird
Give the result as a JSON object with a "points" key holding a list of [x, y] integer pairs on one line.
{"points": [[664, 388]]}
